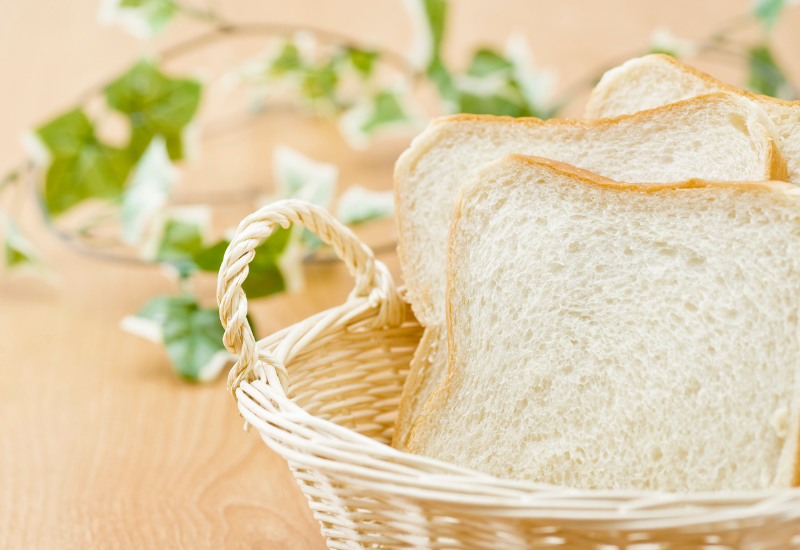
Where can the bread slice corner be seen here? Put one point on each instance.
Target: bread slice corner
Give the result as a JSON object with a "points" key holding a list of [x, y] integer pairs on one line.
{"points": [[655, 80]]}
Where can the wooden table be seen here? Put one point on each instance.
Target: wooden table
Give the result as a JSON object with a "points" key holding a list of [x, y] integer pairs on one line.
{"points": [[101, 446]]}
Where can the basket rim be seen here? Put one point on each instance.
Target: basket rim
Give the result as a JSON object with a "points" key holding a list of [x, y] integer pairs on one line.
{"points": [[261, 386], [343, 452]]}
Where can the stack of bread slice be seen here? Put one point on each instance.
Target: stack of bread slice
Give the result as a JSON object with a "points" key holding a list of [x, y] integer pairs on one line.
{"points": [[606, 304]]}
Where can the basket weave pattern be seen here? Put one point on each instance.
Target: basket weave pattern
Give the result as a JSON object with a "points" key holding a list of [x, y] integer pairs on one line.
{"points": [[324, 394]]}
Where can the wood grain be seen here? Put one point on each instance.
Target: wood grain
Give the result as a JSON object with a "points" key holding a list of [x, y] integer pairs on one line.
{"points": [[101, 446]]}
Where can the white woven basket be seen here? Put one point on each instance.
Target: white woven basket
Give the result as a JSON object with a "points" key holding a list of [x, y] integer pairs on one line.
{"points": [[324, 393]]}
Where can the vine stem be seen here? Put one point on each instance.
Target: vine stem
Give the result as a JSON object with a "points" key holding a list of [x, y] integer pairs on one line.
{"points": [[223, 29], [11, 177]]}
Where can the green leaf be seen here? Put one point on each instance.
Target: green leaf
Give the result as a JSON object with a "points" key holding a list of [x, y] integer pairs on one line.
{"points": [[210, 259], [443, 81], [300, 177], [664, 51], [276, 243], [15, 258], [431, 18], [142, 18], [180, 241], [359, 204], [67, 134], [386, 110], [148, 191], [362, 60], [529, 86], [436, 16], [155, 105], [287, 60], [492, 105], [82, 167], [18, 250], [264, 277], [192, 335], [486, 62], [320, 82], [766, 77], [768, 11]]}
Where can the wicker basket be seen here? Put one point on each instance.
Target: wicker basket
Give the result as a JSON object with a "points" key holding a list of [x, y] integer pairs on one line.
{"points": [[324, 393]]}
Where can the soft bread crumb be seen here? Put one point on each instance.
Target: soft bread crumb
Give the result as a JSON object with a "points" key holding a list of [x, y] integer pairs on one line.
{"points": [[718, 137], [607, 335]]}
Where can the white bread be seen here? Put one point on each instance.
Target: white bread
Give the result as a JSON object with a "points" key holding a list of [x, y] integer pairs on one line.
{"points": [[654, 80], [612, 335], [718, 137]]}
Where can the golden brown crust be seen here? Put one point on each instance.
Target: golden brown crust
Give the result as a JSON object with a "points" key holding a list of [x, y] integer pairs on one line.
{"points": [[443, 387], [588, 123], [600, 181], [727, 87], [710, 81], [419, 370], [778, 168]]}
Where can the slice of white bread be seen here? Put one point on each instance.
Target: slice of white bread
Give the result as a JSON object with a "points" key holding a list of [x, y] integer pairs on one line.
{"points": [[616, 335], [655, 80], [720, 137]]}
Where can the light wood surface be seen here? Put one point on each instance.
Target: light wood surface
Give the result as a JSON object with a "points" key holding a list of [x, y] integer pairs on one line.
{"points": [[101, 446]]}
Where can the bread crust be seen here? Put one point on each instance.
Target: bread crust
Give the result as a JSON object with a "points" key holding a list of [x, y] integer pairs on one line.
{"points": [[444, 389], [777, 172], [419, 293], [775, 169], [705, 77], [417, 377]]}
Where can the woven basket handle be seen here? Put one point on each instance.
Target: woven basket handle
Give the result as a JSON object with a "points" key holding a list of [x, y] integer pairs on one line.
{"points": [[373, 280]]}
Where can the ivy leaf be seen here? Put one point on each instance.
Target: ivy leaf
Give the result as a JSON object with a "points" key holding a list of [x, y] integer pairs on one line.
{"points": [[768, 10], [300, 177], [19, 252], [535, 85], [148, 191], [359, 204], [193, 338], [486, 62], [179, 243], [81, 167], [192, 335], [210, 258], [443, 80], [362, 60], [287, 60], [265, 276], [176, 235], [766, 77], [386, 110], [320, 82], [362, 123], [429, 17], [494, 104], [435, 16], [141, 18], [155, 105]]}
